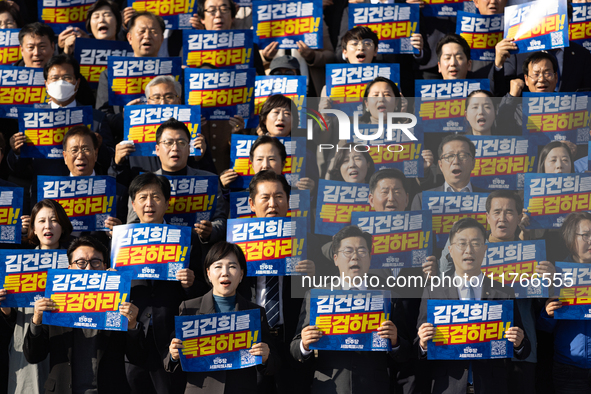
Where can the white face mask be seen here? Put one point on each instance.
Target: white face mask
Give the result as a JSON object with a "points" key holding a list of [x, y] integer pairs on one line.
{"points": [[61, 90]]}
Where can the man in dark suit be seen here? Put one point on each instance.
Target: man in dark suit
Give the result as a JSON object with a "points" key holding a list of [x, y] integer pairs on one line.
{"points": [[351, 371], [456, 162], [158, 300], [84, 360], [572, 63], [468, 249]]}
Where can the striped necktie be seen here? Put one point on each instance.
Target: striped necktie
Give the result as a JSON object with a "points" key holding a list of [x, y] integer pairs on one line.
{"points": [[272, 300]]}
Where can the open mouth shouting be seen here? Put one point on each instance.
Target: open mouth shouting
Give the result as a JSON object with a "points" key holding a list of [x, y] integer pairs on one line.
{"points": [[48, 235], [361, 56]]}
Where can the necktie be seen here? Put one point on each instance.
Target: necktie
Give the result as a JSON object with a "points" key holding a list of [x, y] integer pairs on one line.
{"points": [[272, 300], [471, 296]]}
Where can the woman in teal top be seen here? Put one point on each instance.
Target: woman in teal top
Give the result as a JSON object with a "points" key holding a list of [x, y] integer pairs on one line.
{"points": [[225, 268]]}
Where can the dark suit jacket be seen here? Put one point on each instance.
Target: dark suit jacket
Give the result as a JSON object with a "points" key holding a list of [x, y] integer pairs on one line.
{"points": [[112, 347], [573, 76], [226, 382], [351, 371], [417, 202], [490, 376]]}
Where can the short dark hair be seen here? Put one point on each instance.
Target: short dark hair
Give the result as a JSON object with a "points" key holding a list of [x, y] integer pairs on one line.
{"points": [[537, 57], [359, 33], [13, 11], [453, 38], [456, 137], [62, 219], [349, 232], [36, 29], [546, 151], [100, 4], [221, 249], [464, 224], [92, 243], [172, 124], [505, 194], [278, 101], [341, 156], [59, 60], [156, 18], [83, 131], [569, 230], [387, 173], [366, 116], [201, 8], [149, 178], [267, 176], [267, 139]]}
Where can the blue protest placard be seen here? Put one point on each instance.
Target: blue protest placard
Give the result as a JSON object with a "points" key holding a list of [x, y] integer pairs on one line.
{"points": [[142, 121], [93, 56], [299, 205], [349, 320], [537, 25], [10, 49], [222, 49], [176, 14], [20, 86], [292, 86], [469, 330], [509, 262], [23, 274], [128, 76], [294, 167], [221, 93], [336, 200], [575, 286], [220, 341], [87, 200], [481, 32], [61, 14], [551, 117], [399, 152], [87, 299], [440, 105], [345, 83], [399, 239], [439, 8], [45, 129], [272, 246], [579, 28], [288, 22], [151, 251], [11, 208], [449, 207], [394, 24], [192, 199], [501, 162], [549, 198]]}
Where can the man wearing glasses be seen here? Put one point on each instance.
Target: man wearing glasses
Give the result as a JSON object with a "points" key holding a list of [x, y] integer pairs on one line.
{"points": [[456, 162], [468, 248], [62, 79], [81, 359], [355, 371], [172, 149]]}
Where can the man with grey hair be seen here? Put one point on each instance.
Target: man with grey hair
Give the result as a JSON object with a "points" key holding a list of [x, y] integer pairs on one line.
{"points": [[163, 89]]}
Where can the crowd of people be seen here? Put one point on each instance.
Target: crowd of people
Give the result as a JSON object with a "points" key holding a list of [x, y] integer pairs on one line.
{"points": [[550, 356]]}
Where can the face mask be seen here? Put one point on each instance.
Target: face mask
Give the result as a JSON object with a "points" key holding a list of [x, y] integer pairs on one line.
{"points": [[61, 90]]}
